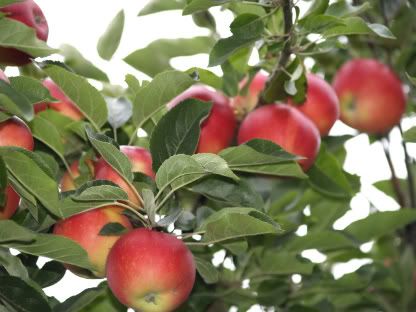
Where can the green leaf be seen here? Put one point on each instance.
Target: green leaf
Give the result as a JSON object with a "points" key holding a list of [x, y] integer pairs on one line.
{"points": [[410, 135], [357, 26], [283, 263], [46, 132], [206, 77], [30, 88], [163, 50], [411, 79], [380, 223], [155, 6], [110, 40], [113, 229], [155, 95], [35, 180], [262, 157], [51, 273], [318, 7], [319, 23], [10, 231], [236, 222], [342, 8], [3, 182], [323, 241], [97, 191], [112, 155], [215, 164], [327, 177], [178, 131], [14, 102], [246, 29], [23, 39], [7, 2], [202, 5], [20, 296], [205, 19], [206, 270], [13, 265], [85, 96], [80, 65]]}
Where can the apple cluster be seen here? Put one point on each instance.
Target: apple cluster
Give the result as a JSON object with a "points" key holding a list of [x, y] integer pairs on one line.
{"points": [[149, 270]]}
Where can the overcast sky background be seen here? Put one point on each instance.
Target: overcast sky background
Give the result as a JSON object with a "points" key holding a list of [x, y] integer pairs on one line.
{"points": [[80, 23]]}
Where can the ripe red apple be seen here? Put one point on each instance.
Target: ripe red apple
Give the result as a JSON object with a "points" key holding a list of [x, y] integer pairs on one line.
{"points": [[68, 182], [371, 95], [243, 104], [84, 228], [64, 105], [3, 76], [29, 13], [285, 126], [217, 131], [14, 132], [321, 104], [141, 162], [150, 271]]}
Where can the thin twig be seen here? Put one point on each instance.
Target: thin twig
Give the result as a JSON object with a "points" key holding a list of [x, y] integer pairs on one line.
{"points": [[410, 178]]}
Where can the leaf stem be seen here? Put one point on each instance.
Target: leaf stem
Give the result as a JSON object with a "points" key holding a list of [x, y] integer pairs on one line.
{"points": [[410, 178]]}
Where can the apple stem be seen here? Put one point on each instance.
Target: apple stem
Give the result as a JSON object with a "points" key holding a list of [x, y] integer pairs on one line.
{"points": [[410, 178], [394, 181]]}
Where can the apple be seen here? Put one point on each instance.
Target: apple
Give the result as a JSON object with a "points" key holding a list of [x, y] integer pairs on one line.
{"points": [[14, 132], [243, 104], [217, 131], [321, 104], [84, 228], [3, 76], [286, 126], [371, 96], [67, 182], [141, 161], [29, 13], [64, 105], [150, 271]]}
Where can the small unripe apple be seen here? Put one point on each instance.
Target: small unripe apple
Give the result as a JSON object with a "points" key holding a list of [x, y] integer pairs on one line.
{"points": [[11, 204], [243, 104], [217, 131], [140, 160], [285, 126], [84, 228], [371, 96], [68, 182], [29, 13], [321, 104], [64, 105], [150, 271]]}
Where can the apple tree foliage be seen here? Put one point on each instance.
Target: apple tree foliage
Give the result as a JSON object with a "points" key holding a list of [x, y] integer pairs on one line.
{"points": [[235, 201]]}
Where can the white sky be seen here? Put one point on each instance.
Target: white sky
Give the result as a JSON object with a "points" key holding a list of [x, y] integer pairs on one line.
{"points": [[80, 23]]}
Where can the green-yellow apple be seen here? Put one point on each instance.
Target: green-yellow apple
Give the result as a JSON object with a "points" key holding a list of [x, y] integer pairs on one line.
{"points": [[243, 104], [150, 271], [84, 228], [13, 132], [63, 105], [321, 104], [286, 126], [67, 182], [30, 14], [217, 131], [371, 96]]}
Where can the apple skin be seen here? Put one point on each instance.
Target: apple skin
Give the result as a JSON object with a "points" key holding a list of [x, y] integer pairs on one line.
{"points": [[67, 182], [286, 126], [84, 228], [243, 104], [64, 105], [321, 104], [14, 132], [150, 271], [371, 96], [141, 161], [217, 131], [29, 13]]}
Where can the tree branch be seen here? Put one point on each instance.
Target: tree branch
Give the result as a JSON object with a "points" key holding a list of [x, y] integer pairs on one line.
{"points": [[410, 178]]}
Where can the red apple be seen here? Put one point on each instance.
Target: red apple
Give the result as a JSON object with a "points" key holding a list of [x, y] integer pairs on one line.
{"points": [[321, 104], [140, 158], [64, 105], [3, 76], [217, 131], [371, 96], [285, 126], [29, 13], [14, 132], [243, 104], [84, 228], [150, 271], [68, 182]]}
